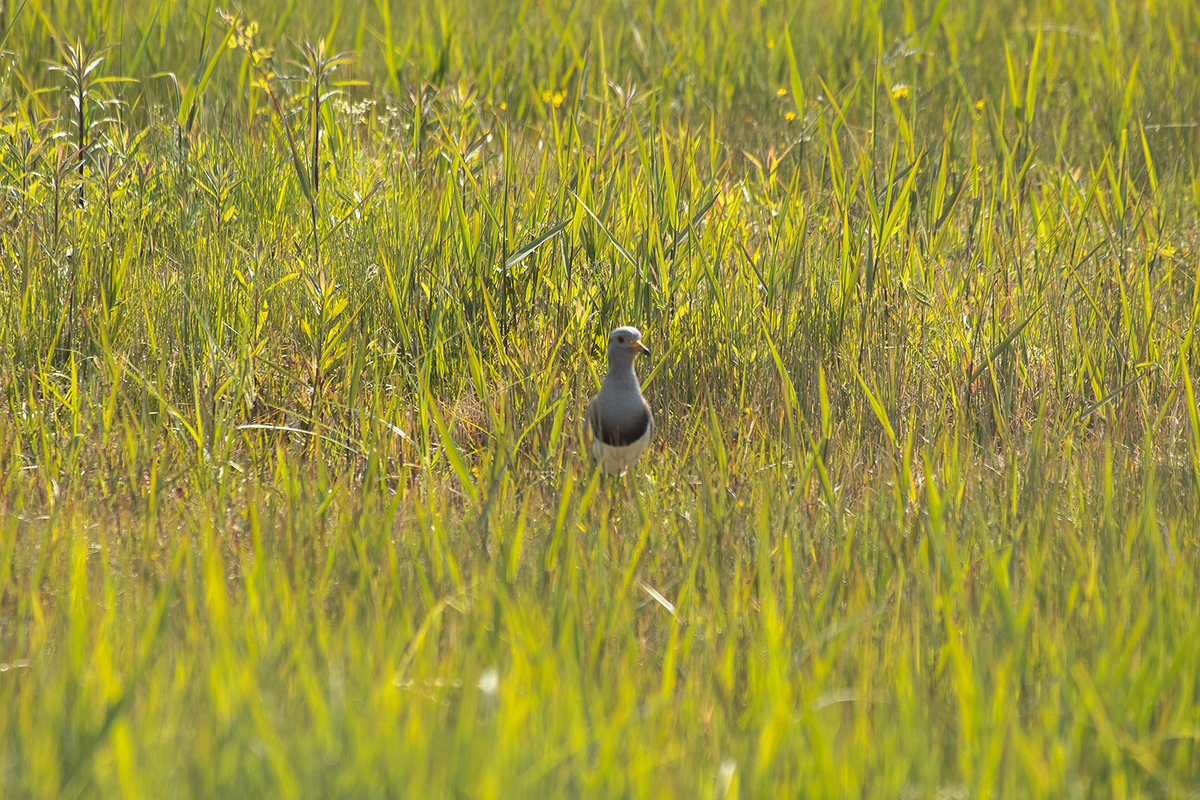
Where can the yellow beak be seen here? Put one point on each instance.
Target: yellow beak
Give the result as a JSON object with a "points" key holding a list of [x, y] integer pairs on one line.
{"points": [[638, 347]]}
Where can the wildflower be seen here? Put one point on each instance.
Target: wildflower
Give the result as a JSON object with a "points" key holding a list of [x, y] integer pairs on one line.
{"points": [[899, 91], [782, 92]]}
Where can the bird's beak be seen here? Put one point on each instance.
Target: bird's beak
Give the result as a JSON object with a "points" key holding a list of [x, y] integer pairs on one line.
{"points": [[638, 347]]}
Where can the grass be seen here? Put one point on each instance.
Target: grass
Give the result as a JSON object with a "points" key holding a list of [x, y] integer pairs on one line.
{"points": [[302, 303]]}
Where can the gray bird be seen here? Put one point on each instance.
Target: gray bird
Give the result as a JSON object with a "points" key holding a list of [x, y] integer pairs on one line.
{"points": [[619, 420]]}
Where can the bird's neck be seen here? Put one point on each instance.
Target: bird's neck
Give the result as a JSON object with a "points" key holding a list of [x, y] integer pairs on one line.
{"points": [[621, 373]]}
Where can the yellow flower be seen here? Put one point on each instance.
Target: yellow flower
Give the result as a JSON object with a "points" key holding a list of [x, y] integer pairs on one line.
{"points": [[782, 92], [789, 116], [546, 96], [558, 99], [899, 91], [503, 106], [979, 106], [770, 44]]}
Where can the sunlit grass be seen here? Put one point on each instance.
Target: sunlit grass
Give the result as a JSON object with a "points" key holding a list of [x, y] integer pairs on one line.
{"points": [[302, 306]]}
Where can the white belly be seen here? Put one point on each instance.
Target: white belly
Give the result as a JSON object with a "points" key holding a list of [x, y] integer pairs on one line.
{"points": [[616, 460]]}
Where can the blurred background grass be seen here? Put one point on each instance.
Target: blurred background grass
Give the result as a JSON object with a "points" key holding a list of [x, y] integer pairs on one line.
{"points": [[302, 303]]}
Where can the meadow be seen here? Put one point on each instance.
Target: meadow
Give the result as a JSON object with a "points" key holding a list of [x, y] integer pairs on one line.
{"points": [[302, 304]]}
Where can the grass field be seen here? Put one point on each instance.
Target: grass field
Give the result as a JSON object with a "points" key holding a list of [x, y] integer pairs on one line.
{"points": [[301, 304]]}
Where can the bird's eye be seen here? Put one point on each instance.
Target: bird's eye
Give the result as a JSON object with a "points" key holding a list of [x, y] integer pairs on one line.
{"points": [[620, 340]]}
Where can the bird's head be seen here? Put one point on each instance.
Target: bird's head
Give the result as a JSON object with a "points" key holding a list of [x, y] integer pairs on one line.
{"points": [[625, 344]]}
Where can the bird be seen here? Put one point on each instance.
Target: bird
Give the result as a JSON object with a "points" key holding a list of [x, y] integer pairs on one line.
{"points": [[619, 421]]}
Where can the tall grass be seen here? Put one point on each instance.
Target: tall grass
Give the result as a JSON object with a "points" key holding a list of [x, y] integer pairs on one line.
{"points": [[303, 302]]}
